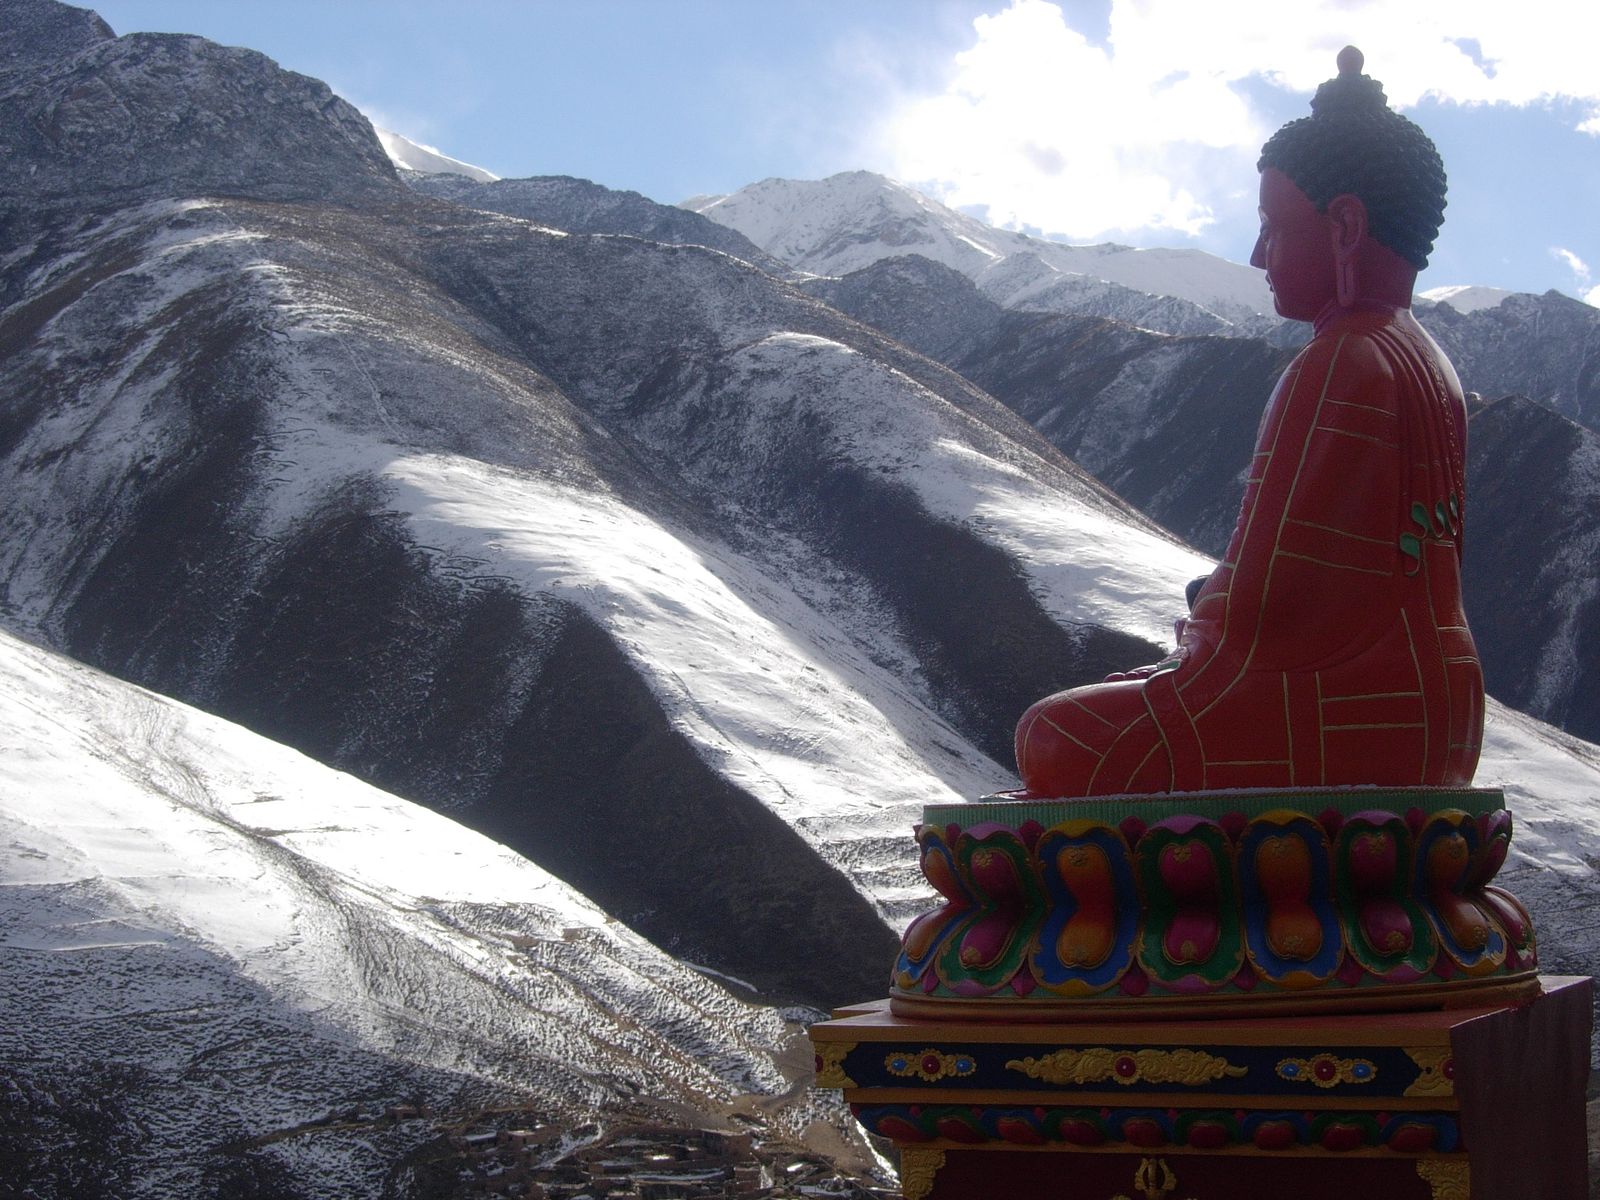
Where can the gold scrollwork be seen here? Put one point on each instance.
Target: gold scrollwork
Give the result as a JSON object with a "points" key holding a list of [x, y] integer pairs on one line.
{"points": [[1099, 1064], [830, 1064], [1326, 1071], [929, 1065], [917, 1169], [1450, 1179], [1435, 1063]]}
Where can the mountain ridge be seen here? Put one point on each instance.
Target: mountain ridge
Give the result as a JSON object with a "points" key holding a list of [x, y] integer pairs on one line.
{"points": [[848, 221]]}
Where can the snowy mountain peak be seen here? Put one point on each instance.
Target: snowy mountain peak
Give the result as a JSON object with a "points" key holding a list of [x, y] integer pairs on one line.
{"points": [[849, 221], [840, 224], [1465, 298], [414, 156]]}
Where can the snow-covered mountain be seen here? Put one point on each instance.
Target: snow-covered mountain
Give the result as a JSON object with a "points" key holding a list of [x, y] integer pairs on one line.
{"points": [[605, 545], [212, 942], [846, 222]]}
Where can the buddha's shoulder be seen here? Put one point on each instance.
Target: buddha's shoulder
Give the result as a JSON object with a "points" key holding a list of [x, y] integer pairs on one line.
{"points": [[1368, 345]]}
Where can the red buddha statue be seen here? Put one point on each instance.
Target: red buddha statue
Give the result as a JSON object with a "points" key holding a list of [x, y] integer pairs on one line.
{"points": [[1329, 646]]}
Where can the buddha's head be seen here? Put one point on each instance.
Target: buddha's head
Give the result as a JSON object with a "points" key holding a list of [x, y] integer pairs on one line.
{"points": [[1352, 198]]}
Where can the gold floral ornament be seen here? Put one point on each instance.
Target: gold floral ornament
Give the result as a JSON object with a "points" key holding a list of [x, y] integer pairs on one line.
{"points": [[917, 1169], [929, 1065], [1099, 1064], [1326, 1071], [830, 1064], [1449, 1179], [1438, 1071]]}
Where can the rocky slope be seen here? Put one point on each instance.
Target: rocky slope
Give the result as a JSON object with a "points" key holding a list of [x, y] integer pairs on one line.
{"points": [[89, 118], [1544, 347], [1532, 544]]}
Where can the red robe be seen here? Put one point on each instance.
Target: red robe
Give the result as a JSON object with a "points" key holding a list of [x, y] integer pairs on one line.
{"points": [[1329, 647]]}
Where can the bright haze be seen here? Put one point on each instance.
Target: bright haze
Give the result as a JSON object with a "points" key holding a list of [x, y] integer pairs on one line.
{"points": [[1087, 120]]}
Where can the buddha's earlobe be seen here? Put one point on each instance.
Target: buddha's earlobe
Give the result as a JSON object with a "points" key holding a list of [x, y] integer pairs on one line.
{"points": [[1347, 218], [1346, 281]]}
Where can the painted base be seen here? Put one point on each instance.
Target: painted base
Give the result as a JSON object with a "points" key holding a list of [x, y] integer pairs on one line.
{"points": [[970, 1175], [1396, 1104]]}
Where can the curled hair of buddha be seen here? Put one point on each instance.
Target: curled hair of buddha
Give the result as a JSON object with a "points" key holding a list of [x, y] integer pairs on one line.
{"points": [[1354, 143]]}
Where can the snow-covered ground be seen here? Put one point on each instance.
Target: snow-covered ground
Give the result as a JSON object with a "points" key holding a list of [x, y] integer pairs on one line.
{"points": [[143, 824], [1552, 787], [249, 936]]}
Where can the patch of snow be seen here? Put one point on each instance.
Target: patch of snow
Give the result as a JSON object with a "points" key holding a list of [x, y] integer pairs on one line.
{"points": [[1466, 298], [415, 156]]}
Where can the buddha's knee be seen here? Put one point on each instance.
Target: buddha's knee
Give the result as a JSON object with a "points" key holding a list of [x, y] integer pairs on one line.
{"points": [[1062, 739]]}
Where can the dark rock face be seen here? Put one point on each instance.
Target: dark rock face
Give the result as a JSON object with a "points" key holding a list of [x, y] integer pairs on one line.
{"points": [[984, 645], [40, 31], [595, 781], [934, 309], [1544, 347], [1533, 539], [90, 118], [579, 206], [1168, 423]]}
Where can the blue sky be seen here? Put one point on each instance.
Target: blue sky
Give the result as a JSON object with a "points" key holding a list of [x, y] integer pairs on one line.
{"points": [[1135, 121]]}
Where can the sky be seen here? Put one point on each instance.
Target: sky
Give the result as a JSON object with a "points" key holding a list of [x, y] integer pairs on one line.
{"points": [[1134, 121]]}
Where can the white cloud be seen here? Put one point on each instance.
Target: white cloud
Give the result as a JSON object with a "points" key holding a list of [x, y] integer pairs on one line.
{"points": [[1592, 296], [1578, 266], [1045, 129]]}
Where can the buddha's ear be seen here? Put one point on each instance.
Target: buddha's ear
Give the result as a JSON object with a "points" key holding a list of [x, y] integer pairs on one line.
{"points": [[1348, 216], [1347, 221]]}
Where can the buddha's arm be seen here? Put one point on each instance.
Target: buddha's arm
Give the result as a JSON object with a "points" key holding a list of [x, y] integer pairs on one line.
{"points": [[1315, 573]]}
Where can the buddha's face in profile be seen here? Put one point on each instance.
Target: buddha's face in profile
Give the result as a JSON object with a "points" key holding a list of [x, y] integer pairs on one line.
{"points": [[1295, 248]]}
